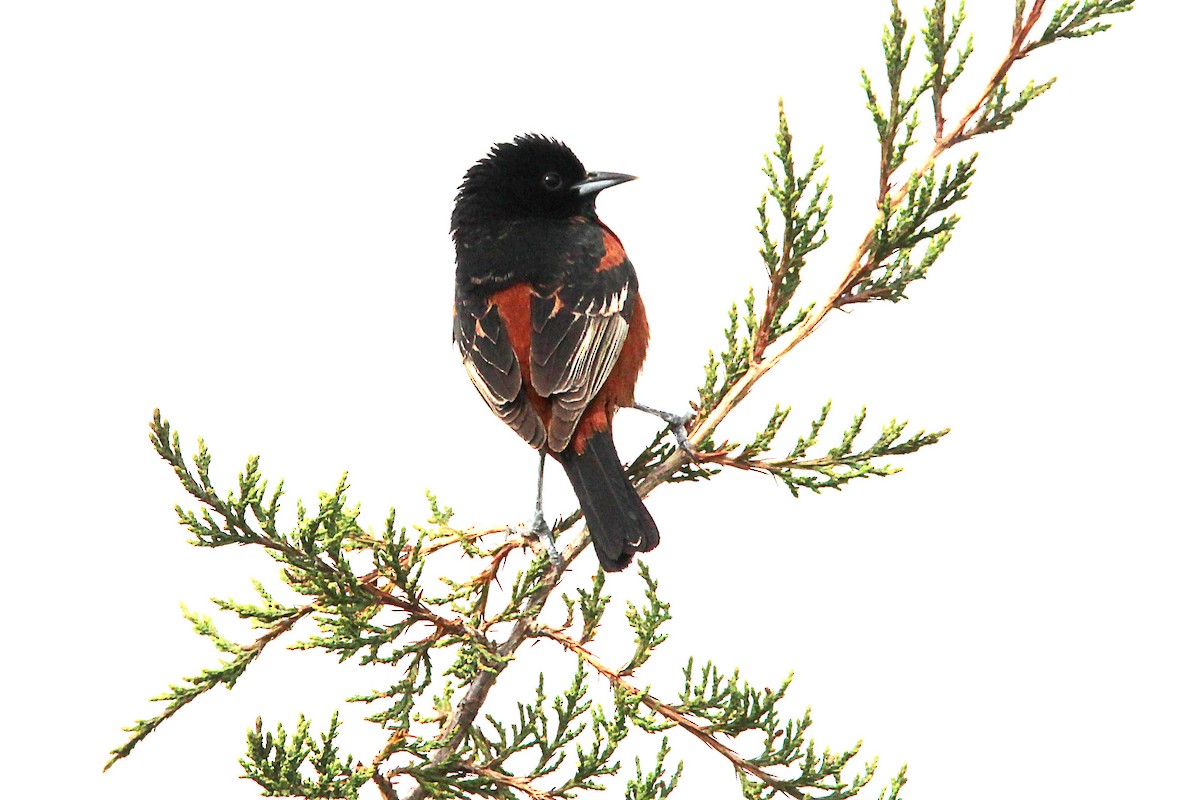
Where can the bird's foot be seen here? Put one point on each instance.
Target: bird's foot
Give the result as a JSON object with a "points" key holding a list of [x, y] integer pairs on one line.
{"points": [[679, 425], [538, 529]]}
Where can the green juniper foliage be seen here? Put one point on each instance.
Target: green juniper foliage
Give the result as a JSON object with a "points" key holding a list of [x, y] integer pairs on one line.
{"points": [[366, 594], [274, 763]]}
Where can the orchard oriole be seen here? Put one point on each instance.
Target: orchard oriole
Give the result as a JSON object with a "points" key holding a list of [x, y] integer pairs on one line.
{"points": [[551, 326]]}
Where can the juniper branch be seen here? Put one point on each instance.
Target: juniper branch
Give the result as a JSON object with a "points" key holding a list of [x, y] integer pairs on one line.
{"points": [[866, 258], [812, 776], [227, 674], [839, 466], [283, 768]]}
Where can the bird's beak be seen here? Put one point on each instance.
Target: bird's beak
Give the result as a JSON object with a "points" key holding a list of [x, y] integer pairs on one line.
{"points": [[595, 181]]}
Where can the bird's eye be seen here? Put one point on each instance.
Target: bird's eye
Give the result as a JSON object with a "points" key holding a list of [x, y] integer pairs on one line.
{"points": [[552, 181]]}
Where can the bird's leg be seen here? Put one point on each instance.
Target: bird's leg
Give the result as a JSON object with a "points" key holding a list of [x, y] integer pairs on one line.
{"points": [[678, 423], [538, 524]]}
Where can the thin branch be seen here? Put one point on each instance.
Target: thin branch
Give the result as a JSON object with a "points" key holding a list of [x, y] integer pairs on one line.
{"points": [[385, 786], [227, 674], [381, 780], [419, 611], [667, 711], [456, 725], [522, 785], [470, 535], [1017, 50]]}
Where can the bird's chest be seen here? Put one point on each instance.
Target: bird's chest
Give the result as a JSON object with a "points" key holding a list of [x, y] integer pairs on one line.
{"points": [[546, 254]]}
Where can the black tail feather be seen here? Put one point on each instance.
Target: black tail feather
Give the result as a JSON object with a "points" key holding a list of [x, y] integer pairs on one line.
{"points": [[619, 523]]}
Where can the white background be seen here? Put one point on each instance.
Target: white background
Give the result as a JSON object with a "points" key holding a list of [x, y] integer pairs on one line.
{"points": [[238, 212]]}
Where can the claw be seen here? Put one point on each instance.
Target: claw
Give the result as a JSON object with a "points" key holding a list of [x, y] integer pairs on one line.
{"points": [[679, 425], [541, 530]]}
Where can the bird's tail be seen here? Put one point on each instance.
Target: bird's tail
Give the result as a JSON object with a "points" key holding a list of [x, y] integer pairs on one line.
{"points": [[619, 523]]}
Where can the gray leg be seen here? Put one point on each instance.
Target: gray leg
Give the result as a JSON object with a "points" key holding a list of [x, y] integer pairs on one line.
{"points": [[678, 423], [538, 525]]}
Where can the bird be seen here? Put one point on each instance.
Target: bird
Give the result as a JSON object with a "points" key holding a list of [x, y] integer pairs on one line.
{"points": [[551, 327]]}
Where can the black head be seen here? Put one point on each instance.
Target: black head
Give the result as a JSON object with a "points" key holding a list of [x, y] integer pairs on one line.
{"points": [[530, 177]]}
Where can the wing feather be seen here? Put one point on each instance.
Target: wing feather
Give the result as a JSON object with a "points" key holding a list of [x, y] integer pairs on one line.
{"points": [[575, 344], [494, 370]]}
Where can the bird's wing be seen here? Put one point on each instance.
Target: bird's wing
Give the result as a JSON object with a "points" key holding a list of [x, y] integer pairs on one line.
{"points": [[492, 365], [577, 335]]}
